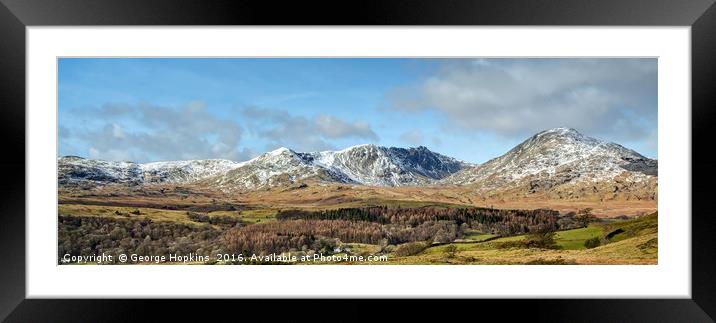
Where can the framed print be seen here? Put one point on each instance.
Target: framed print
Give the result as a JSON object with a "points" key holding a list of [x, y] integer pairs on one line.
{"points": [[539, 156]]}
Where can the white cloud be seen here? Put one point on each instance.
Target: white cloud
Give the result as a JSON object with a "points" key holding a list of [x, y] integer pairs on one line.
{"points": [[302, 133], [519, 97], [413, 137], [117, 131], [333, 127], [146, 132]]}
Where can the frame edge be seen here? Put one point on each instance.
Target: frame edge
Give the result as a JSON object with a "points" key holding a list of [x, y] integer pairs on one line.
{"points": [[12, 210]]}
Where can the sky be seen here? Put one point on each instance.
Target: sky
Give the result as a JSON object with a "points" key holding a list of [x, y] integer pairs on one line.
{"points": [[473, 109]]}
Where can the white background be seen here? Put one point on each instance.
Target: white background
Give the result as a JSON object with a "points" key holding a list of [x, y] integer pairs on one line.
{"points": [[670, 278]]}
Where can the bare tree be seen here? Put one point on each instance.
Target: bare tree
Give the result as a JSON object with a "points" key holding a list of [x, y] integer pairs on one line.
{"points": [[585, 216]]}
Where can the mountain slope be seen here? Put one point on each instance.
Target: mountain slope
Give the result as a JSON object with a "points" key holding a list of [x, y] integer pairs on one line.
{"points": [[564, 163], [280, 167], [363, 164], [559, 163], [75, 170], [374, 165]]}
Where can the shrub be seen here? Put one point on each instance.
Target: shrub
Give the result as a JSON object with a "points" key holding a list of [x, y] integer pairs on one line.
{"points": [[510, 244], [411, 248], [197, 217], [450, 251], [544, 240], [541, 239], [585, 216], [224, 220], [558, 261], [117, 233], [592, 243], [324, 246]]}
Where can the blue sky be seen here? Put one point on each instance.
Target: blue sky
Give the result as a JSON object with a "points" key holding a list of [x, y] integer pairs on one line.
{"points": [[151, 109]]}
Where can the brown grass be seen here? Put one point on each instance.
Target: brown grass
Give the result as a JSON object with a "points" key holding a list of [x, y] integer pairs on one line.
{"points": [[317, 196]]}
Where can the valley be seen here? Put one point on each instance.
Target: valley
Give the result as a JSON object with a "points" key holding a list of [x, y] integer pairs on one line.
{"points": [[557, 198], [177, 229]]}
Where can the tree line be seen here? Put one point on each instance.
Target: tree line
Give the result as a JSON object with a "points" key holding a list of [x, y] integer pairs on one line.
{"points": [[304, 234], [81, 235], [297, 230], [497, 221]]}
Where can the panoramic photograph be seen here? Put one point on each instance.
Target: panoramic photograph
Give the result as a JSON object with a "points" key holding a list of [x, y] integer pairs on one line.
{"points": [[357, 161]]}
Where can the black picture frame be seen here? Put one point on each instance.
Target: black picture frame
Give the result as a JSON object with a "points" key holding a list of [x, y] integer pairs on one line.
{"points": [[15, 15]]}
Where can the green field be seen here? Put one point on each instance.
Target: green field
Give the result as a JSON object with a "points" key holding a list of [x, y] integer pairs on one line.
{"points": [[574, 239], [637, 244]]}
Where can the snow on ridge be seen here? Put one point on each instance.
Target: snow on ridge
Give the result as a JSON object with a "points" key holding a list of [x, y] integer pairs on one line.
{"points": [[386, 166], [77, 168], [279, 151], [363, 164], [558, 152], [351, 148]]}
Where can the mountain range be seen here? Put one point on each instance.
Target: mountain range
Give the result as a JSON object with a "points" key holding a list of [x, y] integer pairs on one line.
{"points": [[560, 161]]}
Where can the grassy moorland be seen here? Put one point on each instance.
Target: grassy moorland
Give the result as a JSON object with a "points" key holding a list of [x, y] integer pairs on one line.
{"points": [[403, 227], [338, 196], [636, 244]]}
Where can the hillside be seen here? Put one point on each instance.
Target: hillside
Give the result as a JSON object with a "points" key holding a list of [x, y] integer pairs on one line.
{"points": [[564, 164], [362, 164], [560, 163]]}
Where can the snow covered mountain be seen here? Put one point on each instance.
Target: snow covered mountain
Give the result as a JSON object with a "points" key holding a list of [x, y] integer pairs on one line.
{"points": [[561, 163], [363, 164], [382, 166], [72, 169], [280, 167], [564, 162]]}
